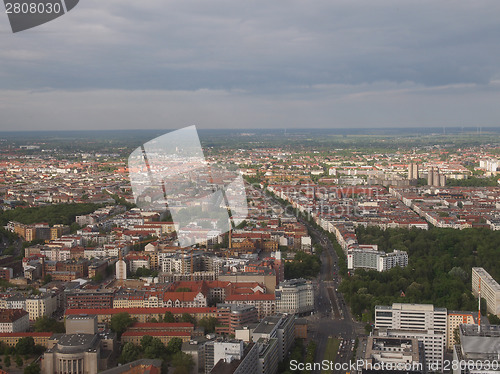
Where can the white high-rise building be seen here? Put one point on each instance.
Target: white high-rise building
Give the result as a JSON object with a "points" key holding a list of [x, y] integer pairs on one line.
{"points": [[422, 321], [294, 296], [433, 341], [411, 317], [389, 260], [367, 258], [491, 165], [490, 289], [413, 171]]}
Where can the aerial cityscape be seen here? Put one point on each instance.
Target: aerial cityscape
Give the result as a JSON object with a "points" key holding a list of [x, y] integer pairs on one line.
{"points": [[249, 187], [351, 257]]}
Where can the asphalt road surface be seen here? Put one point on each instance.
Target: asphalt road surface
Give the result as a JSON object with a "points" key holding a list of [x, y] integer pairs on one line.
{"points": [[332, 317]]}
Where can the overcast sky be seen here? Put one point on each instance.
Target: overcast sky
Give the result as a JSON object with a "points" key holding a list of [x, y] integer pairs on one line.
{"points": [[122, 64]]}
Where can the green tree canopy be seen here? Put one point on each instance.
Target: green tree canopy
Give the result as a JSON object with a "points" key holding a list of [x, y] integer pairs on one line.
{"points": [[120, 322], [302, 266], [186, 317], [47, 324], [52, 214], [182, 363], [438, 272], [47, 278], [208, 323], [168, 317], [146, 340], [32, 368], [130, 352], [155, 349], [174, 346], [25, 346]]}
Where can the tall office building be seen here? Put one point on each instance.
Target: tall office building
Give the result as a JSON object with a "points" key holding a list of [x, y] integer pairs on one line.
{"points": [[435, 178], [411, 317], [430, 176], [413, 171], [279, 327], [421, 321]]}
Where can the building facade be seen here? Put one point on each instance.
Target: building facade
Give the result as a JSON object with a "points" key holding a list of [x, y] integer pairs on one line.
{"points": [[375, 260], [424, 322], [14, 320], [41, 305], [490, 289], [455, 319], [73, 353], [295, 296]]}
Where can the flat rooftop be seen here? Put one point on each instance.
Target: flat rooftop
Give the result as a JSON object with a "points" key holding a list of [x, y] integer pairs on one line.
{"points": [[267, 325]]}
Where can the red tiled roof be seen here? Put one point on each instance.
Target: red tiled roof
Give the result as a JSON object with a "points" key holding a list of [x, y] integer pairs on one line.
{"points": [[140, 310], [161, 324], [255, 296], [156, 333], [181, 296], [25, 334], [11, 315]]}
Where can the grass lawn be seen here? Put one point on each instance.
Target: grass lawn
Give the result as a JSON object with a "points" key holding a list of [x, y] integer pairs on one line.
{"points": [[331, 350]]}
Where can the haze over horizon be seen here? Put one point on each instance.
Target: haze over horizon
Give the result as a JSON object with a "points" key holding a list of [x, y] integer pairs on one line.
{"points": [[164, 65]]}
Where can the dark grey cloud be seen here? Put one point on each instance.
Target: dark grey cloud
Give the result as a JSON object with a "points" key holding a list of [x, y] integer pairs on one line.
{"points": [[339, 61], [257, 45]]}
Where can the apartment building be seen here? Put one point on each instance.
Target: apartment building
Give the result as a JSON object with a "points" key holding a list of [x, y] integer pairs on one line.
{"points": [[389, 260], [376, 260], [16, 301], [433, 342], [264, 303], [14, 320], [58, 230], [280, 327], [6, 273], [90, 299], [248, 364], [490, 289], [455, 319], [411, 316], [12, 338], [144, 315], [41, 305], [231, 317], [137, 261]]}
